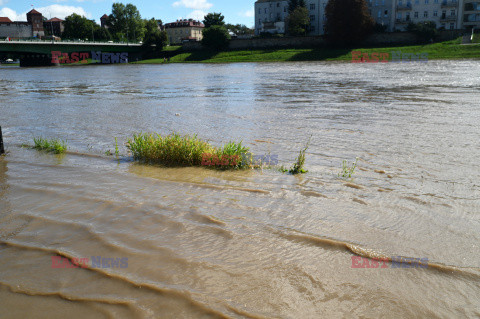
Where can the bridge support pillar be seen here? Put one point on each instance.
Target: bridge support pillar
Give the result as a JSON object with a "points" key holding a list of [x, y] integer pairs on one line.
{"points": [[35, 60]]}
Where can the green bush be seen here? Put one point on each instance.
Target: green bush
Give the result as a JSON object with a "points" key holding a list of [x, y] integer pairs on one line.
{"points": [[216, 38]]}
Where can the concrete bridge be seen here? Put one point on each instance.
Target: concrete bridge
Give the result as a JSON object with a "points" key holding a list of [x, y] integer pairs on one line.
{"points": [[39, 53]]}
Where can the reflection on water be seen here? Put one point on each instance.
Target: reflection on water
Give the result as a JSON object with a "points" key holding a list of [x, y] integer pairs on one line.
{"points": [[254, 244]]}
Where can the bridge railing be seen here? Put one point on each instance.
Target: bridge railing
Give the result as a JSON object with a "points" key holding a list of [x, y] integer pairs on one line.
{"points": [[68, 41]]}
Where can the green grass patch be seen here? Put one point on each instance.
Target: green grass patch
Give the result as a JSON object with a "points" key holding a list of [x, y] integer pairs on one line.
{"points": [[186, 150], [50, 145], [348, 170], [443, 50], [299, 166]]}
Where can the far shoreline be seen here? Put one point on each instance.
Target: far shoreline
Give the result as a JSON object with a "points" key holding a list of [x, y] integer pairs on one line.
{"points": [[449, 50]]}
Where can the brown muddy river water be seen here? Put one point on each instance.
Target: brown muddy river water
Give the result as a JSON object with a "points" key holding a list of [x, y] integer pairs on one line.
{"points": [[197, 243]]}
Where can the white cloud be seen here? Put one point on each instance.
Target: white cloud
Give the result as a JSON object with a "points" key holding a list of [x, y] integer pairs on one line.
{"points": [[61, 11], [2, 2], [197, 15], [192, 4], [55, 10], [248, 14], [12, 15]]}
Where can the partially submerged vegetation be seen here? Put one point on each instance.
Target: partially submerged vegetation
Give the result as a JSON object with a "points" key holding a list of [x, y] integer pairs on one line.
{"points": [[55, 146], [299, 166], [189, 150], [178, 150], [348, 170]]}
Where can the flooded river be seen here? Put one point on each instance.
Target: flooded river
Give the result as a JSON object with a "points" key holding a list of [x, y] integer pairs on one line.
{"points": [[196, 243]]}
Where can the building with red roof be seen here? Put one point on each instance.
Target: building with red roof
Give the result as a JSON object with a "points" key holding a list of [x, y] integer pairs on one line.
{"points": [[54, 26]]}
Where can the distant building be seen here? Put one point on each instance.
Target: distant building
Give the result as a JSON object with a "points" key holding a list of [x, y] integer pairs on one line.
{"points": [[271, 15], [15, 29], [54, 26], [35, 18], [444, 13], [184, 30], [471, 14], [103, 21]]}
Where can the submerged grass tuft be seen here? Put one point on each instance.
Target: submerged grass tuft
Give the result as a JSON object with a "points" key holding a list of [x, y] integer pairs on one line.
{"points": [[347, 170], [50, 145], [299, 166], [186, 150]]}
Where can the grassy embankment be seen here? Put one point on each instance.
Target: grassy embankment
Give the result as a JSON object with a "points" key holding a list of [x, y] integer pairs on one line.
{"points": [[444, 50]]}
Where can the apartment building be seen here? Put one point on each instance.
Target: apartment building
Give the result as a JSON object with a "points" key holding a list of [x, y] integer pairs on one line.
{"points": [[271, 15], [184, 30], [394, 15], [445, 13], [471, 14]]}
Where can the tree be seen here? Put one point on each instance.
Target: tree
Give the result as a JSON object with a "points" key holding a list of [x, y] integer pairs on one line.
{"points": [[101, 34], [78, 27], [298, 21], [212, 19], [293, 4], [425, 31], [216, 37], [125, 22], [154, 39], [239, 29], [348, 22]]}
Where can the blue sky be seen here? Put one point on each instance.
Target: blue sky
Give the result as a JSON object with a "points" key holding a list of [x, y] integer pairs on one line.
{"points": [[240, 11]]}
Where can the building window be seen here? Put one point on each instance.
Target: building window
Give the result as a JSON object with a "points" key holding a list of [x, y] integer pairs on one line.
{"points": [[407, 16], [259, 11], [265, 10], [285, 9], [400, 2], [425, 14], [417, 1], [435, 1], [452, 26], [426, 1], [435, 13], [312, 28], [312, 18], [379, 15], [415, 15], [312, 6], [399, 15], [278, 4], [452, 13], [386, 13], [383, 2]]}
